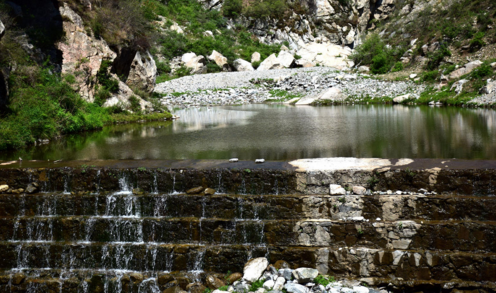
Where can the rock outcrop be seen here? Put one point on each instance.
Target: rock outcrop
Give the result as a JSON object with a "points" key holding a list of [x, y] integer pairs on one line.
{"points": [[2, 29], [82, 53], [82, 57], [143, 72]]}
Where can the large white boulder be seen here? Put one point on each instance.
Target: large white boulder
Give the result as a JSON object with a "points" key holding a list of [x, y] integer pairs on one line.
{"points": [[329, 55], [489, 88], [219, 59], [331, 94], [255, 57], [271, 62], [401, 99], [196, 64], [458, 86], [286, 59], [143, 72], [466, 69], [187, 57], [242, 65], [254, 269]]}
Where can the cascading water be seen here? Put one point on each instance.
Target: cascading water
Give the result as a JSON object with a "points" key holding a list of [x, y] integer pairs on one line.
{"points": [[78, 236]]}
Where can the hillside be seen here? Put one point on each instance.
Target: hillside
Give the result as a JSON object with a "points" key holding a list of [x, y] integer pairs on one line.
{"points": [[76, 65]]}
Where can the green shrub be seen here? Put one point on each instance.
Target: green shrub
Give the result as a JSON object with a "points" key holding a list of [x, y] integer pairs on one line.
{"points": [[104, 78], [232, 8], [223, 288], [483, 71], [477, 42], [380, 64], [344, 2], [398, 66], [256, 285], [213, 67], [261, 8], [484, 20], [321, 280], [430, 76], [163, 67], [256, 64], [437, 56], [134, 104]]}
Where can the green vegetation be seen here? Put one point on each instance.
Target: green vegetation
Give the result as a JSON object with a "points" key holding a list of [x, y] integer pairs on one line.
{"points": [[324, 280], [256, 285], [282, 96], [375, 52], [231, 43]]}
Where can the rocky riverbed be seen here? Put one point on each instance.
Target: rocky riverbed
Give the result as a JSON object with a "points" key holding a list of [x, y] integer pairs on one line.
{"points": [[230, 88]]}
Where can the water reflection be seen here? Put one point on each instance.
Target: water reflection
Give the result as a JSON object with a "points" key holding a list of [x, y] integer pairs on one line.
{"points": [[279, 132]]}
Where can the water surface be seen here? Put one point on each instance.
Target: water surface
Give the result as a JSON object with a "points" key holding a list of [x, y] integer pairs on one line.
{"points": [[280, 132]]}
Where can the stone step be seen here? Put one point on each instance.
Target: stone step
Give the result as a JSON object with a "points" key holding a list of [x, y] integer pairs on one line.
{"points": [[355, 263], [419, 234], [228, 206]]}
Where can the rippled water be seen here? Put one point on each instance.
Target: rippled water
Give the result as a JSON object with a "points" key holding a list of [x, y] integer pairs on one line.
{"points": [[280, 132]]}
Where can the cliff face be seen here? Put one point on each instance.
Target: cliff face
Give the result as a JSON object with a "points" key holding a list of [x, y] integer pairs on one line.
{"points": [[340, 22]]}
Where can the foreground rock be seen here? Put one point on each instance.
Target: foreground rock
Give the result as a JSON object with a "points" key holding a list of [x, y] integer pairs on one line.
{"points": [[254, 268]]}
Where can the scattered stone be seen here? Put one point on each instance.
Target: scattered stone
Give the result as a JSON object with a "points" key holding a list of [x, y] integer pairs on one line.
{"points": [[493, 65], [32, 188], [233, 160], [305, 275], [214, 282], [259, 161], [296, 288], [286, 274], [279, 284], [359, 190], [209, 191], [195, 190], [254, 268], [242, 65], [269, 284], [401, 99], [336, 189], [18, 278], [4, 188], [413, 75]]}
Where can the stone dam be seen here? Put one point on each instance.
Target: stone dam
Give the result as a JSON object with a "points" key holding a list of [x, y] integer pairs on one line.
{"points": [[128, 226]]}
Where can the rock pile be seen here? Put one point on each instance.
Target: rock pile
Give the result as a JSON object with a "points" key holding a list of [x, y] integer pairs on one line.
{"points": [[261, 277]]}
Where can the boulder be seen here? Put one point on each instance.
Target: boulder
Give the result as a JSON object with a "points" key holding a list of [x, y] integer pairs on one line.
{"points": [[458, 86], [220, 60], [329, 55], [493, 65], [359, 190], [32, 188], [413, 75], [208, 34], [336, 189], [143, 72], [175, 27], [466, 69], [271, 62], [18, 278], [195, 288], [489, 88], [305, 275], [255, 57], [254, 268], [269, 284], [187, 57], [401, 99], [242, 65], [286, 60], [2, 29], [279, 284], [214, 282], [296, 288], [4, 188], [196, 64], [196, 190], [234, 277], [363, 68], [304, 63], [209, 191]]}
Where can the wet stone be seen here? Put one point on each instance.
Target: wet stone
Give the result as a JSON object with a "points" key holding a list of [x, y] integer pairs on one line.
{"points": [[234, 277], [195, 190], [214, 282], [209, 191]]}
